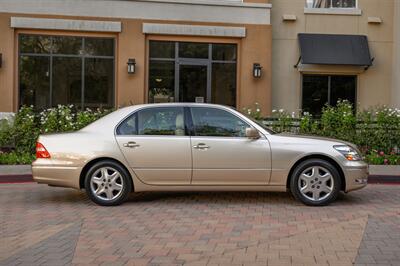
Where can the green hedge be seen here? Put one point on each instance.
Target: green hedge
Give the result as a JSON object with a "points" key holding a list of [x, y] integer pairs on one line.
{"points": [[375, 131], [18, 139]]}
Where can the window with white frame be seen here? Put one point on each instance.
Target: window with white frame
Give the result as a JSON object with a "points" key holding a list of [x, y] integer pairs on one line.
{"points": [[331, 3]]}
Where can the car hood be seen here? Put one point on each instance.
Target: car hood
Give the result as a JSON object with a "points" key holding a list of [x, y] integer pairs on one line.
{"points": [[336, 141]]}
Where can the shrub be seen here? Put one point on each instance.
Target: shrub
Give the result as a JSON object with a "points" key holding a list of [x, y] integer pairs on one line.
{"points": [[282, 121], [28, 124], [16, 158], [380, 158], [339, 121], [308, 125], [253, 112], [5, 136], [25, 130], [375, 131]]}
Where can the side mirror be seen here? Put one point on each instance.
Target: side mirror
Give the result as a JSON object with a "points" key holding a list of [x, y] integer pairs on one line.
{"points": [[252, 133]]}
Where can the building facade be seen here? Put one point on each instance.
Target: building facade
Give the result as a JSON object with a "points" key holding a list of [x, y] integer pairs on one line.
{"points": [[290, 54], [93, 53], [309, 86]]}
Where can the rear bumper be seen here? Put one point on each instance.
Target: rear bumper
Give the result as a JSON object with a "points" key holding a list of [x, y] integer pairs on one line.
{"points": [[60, 176], [356, 176]]}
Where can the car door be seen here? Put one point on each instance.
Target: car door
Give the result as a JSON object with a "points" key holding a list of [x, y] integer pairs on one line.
{"points": [[222, 154], [156, 146]]}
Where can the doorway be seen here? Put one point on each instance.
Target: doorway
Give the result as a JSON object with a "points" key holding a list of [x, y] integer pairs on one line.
{"points": [[193, 80], [192, 72]]}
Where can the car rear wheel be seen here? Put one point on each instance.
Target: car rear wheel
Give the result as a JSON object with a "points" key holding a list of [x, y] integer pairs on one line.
{"points": [[315, 182], [107, 183]]}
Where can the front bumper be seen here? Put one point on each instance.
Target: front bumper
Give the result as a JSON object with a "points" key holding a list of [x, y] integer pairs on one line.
{"points": [[56, 175], [356, 176]]}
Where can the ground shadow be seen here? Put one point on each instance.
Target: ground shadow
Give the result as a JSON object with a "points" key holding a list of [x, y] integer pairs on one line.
{"points": [[66, 195]]}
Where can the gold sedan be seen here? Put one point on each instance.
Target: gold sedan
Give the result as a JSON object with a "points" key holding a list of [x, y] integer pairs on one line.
{"points": [[194, 147]]}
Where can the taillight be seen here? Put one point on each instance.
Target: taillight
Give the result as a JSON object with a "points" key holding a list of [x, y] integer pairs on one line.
{"points": [[41, 151]]}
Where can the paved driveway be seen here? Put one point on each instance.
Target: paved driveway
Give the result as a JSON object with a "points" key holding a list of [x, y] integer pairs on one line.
{"points": [[54, 226]]}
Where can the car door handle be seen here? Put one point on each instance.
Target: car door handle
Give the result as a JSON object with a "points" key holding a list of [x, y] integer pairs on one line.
{"points": [[201, 146], [131, 144]]}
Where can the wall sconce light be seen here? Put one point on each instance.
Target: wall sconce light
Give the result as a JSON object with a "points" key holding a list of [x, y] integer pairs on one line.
{"points": [[131, 66], [257, 70], [1, 60]]}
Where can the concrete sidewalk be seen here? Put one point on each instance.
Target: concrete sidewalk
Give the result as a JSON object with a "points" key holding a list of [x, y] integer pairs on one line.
{"points": [[15, 170]]}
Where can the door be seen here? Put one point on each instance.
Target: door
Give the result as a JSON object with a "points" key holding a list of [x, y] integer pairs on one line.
{"points": [[156, 146], [222, 154], [193, 82]]}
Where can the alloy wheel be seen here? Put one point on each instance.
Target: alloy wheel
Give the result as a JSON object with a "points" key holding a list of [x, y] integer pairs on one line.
{"points": [[316, 183], [106, 183]]}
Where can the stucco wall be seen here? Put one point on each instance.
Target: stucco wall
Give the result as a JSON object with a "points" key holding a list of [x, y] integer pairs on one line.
{"points": [[396, 58], [7, 69], [374, 85], [131, 43]]}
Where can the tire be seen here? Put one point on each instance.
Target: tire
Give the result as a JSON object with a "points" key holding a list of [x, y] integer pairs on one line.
{"points": [[315, 182], [107, 183]]}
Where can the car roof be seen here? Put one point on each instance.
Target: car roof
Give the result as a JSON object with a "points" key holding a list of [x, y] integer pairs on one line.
{"points": [[183, 104]]}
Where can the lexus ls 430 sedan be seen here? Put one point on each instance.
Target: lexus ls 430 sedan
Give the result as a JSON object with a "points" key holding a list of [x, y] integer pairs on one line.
{"points": [[194, 147]]}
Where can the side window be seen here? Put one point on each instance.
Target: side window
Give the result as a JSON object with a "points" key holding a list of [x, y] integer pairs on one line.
{"points": [[128, 126], [161, 121], [217, 123]]}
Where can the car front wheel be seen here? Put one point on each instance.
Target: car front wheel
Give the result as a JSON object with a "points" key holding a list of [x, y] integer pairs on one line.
{"points": [[107, 183], [315, 182]]}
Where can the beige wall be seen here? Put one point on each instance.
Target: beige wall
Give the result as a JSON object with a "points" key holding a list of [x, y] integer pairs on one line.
{"points": [[374, 85], [131, 43], [7, 69], [396, 58]]}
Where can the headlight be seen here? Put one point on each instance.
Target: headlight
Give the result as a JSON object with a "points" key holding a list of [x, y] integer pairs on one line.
{"points": [[350, 153]]}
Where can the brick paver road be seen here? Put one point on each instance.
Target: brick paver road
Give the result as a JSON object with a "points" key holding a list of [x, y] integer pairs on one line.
{"points": [[41, 225]]}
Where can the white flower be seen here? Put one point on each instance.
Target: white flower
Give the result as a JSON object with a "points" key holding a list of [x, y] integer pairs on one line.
{"points": [[274, 111], [281, 110]]}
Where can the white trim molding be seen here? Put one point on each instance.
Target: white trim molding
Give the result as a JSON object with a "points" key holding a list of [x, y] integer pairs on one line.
{"points": [[218, 11], [65, 24], [211, 2], [333, 11], [375, 20], [194, 30], [289, 17]]}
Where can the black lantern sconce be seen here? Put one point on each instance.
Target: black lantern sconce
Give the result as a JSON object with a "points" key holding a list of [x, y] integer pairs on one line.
{"points": [[257, 70], [131, 66], [1, 60]]}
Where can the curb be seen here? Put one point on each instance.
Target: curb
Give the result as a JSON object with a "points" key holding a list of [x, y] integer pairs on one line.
{"points": [[10, 179], [384, 179]]}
